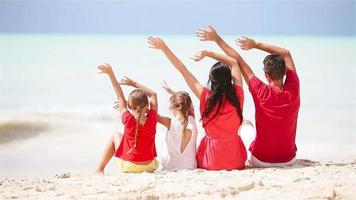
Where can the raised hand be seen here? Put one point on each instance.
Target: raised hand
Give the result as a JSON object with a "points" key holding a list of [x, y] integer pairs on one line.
{"points": [[106, 69], [127, 81], [199, 55], [167, 88], [117, 105], [156, 43], [245, 43], [208, 34]]}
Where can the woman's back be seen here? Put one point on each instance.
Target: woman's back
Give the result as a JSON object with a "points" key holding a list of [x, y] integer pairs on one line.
{"points": [[221, 148]]}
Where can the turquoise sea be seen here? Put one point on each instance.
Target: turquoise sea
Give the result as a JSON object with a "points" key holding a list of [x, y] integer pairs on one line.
{"points": [[56, 110]]}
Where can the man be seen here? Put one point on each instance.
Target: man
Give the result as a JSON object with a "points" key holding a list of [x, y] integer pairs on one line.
{"points": [[276, 104]]}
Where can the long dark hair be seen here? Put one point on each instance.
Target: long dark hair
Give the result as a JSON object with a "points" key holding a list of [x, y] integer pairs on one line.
{"points": [[221, 89]]}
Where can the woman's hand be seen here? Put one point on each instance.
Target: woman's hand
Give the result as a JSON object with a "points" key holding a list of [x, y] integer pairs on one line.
{"points": [[245, 43], [156, 43], [199, 55], [208, 34], [106, 69]]}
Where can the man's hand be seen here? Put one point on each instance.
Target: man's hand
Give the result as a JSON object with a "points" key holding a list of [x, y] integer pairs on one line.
{"points": [[245, 43]]}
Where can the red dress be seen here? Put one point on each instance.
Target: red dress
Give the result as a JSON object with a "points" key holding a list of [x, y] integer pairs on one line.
{"points": [[145, 149], [221, 148], [276, 119]]}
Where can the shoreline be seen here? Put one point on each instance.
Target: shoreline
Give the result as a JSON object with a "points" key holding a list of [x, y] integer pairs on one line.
{"points": [[305, 180]]}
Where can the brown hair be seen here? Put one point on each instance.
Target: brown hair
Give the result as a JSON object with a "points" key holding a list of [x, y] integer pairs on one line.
{"points": [[137, 98], [182, 102], [274, 66]]}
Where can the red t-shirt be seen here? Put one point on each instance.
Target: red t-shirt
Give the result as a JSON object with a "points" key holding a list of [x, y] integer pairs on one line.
{"points": [[145, 149], [276, 119], [221, 148]]}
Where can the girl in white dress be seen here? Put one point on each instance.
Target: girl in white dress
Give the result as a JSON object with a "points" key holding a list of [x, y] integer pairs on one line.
{"points": [[181, 132]]}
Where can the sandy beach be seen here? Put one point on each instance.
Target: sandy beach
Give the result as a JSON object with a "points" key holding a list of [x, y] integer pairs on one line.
{"points": [[305, 180], [57, 115]]}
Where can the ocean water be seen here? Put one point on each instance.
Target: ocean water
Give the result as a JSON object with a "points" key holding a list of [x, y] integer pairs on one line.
{"points": [[56, 111]]}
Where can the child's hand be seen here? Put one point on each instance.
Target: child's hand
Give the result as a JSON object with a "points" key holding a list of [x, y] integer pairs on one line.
{"points": [[156, 43], [106, 69], [127, 81], [208, 34], [245, 43], [116, 105], [199, 55], [167, 88]]}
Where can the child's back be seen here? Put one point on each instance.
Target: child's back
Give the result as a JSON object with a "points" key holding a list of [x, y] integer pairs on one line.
{"points": [[181, 150], [136, 146], [145, 149]]}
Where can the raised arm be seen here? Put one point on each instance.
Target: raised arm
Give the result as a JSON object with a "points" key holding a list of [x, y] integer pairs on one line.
{"points": [[229, 61], [151, 94], [210, 34], [167, 88], [107, 69], [192, 82], [247, 43], [172, 92]]}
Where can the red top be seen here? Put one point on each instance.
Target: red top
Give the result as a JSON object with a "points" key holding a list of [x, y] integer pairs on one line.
{"points": [[276, 119], [145, 149], [221, 148]]}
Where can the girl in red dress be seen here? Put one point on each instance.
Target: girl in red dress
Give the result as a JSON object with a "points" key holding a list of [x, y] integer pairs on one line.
{"points": [[136, 146]]}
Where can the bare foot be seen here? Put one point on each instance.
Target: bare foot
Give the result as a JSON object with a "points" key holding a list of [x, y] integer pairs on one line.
{"points": [[97, 172]]}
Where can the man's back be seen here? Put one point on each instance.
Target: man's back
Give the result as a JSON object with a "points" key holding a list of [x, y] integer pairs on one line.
{"points": [[276, 119]]}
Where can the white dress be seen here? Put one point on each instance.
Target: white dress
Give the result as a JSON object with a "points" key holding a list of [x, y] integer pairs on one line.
{"points": [[177, 160]]}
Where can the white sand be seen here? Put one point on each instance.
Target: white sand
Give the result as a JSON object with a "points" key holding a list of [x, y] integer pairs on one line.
{"points": [[305, 180]]}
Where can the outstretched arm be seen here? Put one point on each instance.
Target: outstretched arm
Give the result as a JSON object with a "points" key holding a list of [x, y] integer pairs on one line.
{"points": [[151, 94], [247, 43], [210, 34], [193, 83], [166, 121], [107, 69], [229, 61], [167, 88]]}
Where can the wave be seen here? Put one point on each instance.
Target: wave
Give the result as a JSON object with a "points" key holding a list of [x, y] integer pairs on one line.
{"points": [[68, 113], [19, 124], [19, 130]]}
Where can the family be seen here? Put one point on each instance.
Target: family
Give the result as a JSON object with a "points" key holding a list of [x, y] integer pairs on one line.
{"points": [[271, 142]]}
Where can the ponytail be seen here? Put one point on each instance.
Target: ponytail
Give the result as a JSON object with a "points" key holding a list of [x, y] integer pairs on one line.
{"points": [[137, 128], [182, 102]]}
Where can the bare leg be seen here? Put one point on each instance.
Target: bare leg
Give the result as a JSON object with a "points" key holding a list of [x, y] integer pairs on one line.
{"points": [[109, 152]]}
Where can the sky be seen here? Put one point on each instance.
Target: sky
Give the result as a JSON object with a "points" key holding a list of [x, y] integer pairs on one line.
{"points": [[179, 17]]}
